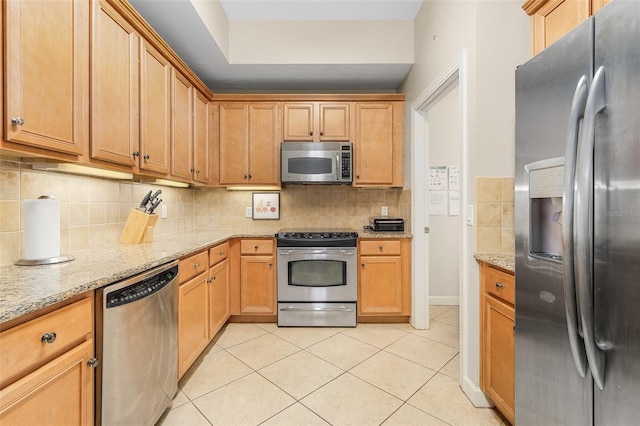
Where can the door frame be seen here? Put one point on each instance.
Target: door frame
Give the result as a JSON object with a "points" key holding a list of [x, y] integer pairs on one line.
{"points": [[454, 73]]}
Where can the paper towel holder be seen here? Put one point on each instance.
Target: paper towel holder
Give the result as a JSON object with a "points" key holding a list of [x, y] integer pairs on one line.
{"points": [[49, 260]]}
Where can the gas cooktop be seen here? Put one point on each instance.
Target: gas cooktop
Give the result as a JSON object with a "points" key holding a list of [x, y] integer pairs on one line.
{"points": [[316, 237]]}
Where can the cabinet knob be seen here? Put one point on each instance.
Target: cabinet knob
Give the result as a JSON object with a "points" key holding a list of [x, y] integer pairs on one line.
{"points": [[380, 247], [250, 176], [499, 284], [17, 121], [146, 156], [270, 265], [358, 176], [362, 265], [246, 176], [213, 278], [221, 252], [48, 337], [197, 171], [196, 265], [136, 153], [192, 170], [311, 133], [255, 247], [93, 362]]}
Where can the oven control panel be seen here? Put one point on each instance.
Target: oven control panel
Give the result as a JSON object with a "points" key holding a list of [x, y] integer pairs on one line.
{"points": [[316, 238]]}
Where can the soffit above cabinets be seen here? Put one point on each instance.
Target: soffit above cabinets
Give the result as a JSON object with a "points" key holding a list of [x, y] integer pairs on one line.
{"points": [[301, 45]]}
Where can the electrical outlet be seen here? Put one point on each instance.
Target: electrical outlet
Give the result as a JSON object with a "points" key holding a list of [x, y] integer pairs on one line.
{"points": [[247, 212], [163, 211], [384, 211]]}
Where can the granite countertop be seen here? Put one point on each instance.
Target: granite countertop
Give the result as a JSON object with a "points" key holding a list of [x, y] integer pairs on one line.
{"points": [[26, 289], [503, 261]]}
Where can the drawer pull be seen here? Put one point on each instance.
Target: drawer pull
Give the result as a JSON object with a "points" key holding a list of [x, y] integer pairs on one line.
{"points": [[499, 284], [93, 362], [380, 247], [255, 247], [196, 265], [221, 253], [48, 337]]}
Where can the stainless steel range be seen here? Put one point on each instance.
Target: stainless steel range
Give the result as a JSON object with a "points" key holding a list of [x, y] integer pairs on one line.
{"points": [[317, 279]]}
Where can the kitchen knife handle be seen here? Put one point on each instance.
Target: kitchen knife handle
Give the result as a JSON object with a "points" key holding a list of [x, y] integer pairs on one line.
{"points": [[583, 231], [572, 311]]}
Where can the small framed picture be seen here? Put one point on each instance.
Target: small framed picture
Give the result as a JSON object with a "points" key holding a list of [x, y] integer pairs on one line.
{"points": [[266, 205]]}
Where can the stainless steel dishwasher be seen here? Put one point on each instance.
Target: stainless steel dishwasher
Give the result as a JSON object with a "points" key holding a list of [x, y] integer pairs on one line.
{"points": [[137, 345]]}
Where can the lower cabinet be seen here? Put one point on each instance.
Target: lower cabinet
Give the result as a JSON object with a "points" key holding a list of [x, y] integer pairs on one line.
{"points": [[47, 368], [257, 277], [497, 339], [219, 308], [384, 281], [193, 309]]}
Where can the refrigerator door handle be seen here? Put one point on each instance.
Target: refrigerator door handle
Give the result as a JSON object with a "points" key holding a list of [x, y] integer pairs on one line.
{"points": [[571, 308], [583, 231]]}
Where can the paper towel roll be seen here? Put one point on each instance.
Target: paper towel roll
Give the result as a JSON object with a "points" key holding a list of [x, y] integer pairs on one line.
{"points": [[41, 228]]}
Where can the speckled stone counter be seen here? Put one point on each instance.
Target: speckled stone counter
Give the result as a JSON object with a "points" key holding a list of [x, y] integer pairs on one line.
{"points": [[503, 261], [370, 234], [26, 289]]}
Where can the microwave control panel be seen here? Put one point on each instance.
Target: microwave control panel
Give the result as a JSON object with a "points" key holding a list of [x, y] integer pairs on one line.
{"points": [[345, 171]]}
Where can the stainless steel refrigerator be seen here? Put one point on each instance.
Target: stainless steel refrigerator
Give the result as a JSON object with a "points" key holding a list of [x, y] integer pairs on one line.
{"points": [[578, 226]]}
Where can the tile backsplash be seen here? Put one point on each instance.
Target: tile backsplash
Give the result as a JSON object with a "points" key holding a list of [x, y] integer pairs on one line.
{"points": [[93, 210], [495, 220]]}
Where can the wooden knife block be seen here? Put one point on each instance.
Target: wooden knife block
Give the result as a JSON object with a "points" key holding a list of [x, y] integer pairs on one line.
{"points": [[139, 228]]}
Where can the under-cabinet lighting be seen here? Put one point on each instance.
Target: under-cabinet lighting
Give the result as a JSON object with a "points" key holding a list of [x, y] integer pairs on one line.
{"points": [[79, 169], [254, 188], [166, 182]]}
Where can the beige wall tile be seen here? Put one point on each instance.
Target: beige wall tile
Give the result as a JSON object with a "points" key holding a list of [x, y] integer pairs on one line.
{"points": [[489, 240], [9, 216], [489, 214], [508, 189], [508, 240], [489, 189], [9, 247], [508, 215], [78, 213], [9, 183]]}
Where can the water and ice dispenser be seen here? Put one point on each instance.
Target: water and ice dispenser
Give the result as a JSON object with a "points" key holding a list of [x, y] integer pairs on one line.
{"points": [[546, 181]]}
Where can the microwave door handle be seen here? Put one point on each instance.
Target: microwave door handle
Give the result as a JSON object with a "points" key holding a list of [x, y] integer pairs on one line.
{"points": [[571, 307], [337, 165]]}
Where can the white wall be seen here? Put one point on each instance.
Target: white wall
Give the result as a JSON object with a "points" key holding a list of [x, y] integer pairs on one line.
{"points": [[496, 35]]}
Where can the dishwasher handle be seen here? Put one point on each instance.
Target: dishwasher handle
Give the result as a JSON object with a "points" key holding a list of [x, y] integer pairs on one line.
{"points": [[141, 286]]}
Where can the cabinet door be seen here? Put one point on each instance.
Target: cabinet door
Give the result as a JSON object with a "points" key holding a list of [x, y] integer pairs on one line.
{"points": [[46, 74], [373, 144], [298, 121], [264, 143], [193, 321], [257, 285], [554, 19], [182, 127], [380, 289], [498, 372], [155, 109], [334, 122], [218, 297], [201, 139], [58, 393], [234, 140], [114, 88]]}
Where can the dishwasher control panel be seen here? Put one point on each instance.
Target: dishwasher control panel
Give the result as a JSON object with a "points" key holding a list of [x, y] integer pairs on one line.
{"points": [[141, 289]]}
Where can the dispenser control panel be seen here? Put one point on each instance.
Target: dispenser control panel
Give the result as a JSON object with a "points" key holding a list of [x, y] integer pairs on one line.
{"points": [[546, 182]]}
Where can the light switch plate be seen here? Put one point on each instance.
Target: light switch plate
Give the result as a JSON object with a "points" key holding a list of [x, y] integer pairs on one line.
{"points": [[469, 215], [384, 211], [163, 211], [247, 212]]}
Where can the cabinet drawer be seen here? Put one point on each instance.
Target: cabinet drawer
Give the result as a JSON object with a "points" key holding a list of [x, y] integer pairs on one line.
{"points": [[499, 284], [256, 246], [379, 247], [218, 253], [193, 265], [44, 337]]}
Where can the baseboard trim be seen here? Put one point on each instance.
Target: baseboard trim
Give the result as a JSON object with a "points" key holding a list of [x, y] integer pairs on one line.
{"points": [[475, 395], [444, 300]]}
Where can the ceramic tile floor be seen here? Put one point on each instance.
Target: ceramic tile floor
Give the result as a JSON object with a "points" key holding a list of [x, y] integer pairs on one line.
{"points": [[374, 374]]}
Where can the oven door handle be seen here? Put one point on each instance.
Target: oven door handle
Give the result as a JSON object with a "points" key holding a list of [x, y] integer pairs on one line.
{"points": [[340, 309], [317, 251]]}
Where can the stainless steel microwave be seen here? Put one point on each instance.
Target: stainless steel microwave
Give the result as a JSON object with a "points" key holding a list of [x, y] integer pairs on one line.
{"points": [[316, 162]]}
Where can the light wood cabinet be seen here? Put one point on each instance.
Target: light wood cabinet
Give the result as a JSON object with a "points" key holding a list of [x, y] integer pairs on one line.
{"points": [[249, 143], [182, 127], [114, 87], [219, 308], [317, 121], [46, 76], [193, 310], [378, 144], [552, 19], [201, 157], [257, 287], [497, 338], [384, 282], [155, 110], [47, 368]]}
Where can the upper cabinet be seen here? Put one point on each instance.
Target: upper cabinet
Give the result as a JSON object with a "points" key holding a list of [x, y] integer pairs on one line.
{"points": [[114, 87], [201, 165], [182, 127], [46, 77], [155, 110], [552, 19], [316, 121], [378, 144], [248, 143]]}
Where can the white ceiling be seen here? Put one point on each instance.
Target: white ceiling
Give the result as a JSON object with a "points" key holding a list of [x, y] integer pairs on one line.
{"points": [[183, 29]]}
